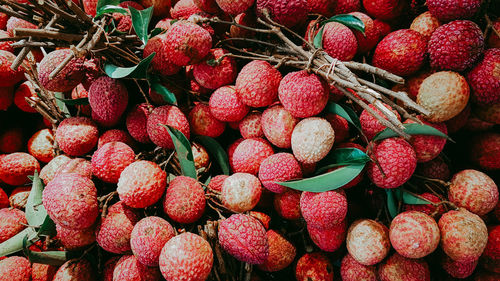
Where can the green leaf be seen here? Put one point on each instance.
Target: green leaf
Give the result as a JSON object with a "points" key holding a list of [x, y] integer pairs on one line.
{"points": [[342, 157], [411, 129], [183, 150], [155, 32], [391, 203], [140, 71], [345, 112], [410, 198], [48, 228], [349, 21], [35, 212], [140, 22], [80, 101], [62, 106], [163, 91], [216, 151], [328, 181], [102, 3], [50, 257], [318, 39], [111, 9], [15, 243], [207, 182]]}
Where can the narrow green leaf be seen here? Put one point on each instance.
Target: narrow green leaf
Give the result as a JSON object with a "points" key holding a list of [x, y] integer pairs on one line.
{"points": [[345, 112], [48, 228], [140, 22], [163, 91], [62, 106], [318, 39], [411, 129], [342, 157], [15, 243], [35, 212], [216, 151], [328, 181], [103, 3], [155, 32], [183, 150], [391, 203], [207, 182], [80, 101], [50, 257], [140, 71], [349, 21], [410, 198], [109, 9]]}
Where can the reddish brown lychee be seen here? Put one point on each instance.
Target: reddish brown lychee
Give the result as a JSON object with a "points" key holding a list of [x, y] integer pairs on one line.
{"points": [[77, 136], [489, 114], [397, 268], [370, 38], [16, 167], [328, 239], [484, 79], [160, 63], [485, 151], [115, 135], [128, 267], [187, 43], [25, 90], [281, 252], [15, 268], [42, 272], [277, 125], [186, 257], [108, 99], [383, 9], [209, 6], [279, 167], [351, 270], [427, 147], [494, 40], [287, 204], [183, 9], [225, 105], [257, 84], [73, 239], [185, 200], [447, 10], [288, 13], [12, 222], [249, 154], [314, 267], [148, 238], [312, 139], [204, 123], [136, 122], [70, 76], [75, 269], [241, 192], [9, 77], [459, 269], [110, 160], [215, 71], [325, 8], [456, 46], [245, 238], [370, 125], [170, 116], [339, 41], [425, 24], [325, 209], [41, 145], [161, 8], [368, 241]]}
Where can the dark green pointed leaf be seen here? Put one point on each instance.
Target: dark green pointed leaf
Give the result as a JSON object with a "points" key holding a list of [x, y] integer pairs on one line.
{"points": [[109, 9], [207, 182], [48, 228], [342, 157], [216, 151], [35, 212], [349, 21], [155, 32], [103, 3], [318, 39], [391, 203], [140, 22], [80, 101], [345, 112], [62, 106], [410, 198], [140, 71], [183, 150], [15, 243], [411, 129], [328, 181], [50, 257], [164, 92]]}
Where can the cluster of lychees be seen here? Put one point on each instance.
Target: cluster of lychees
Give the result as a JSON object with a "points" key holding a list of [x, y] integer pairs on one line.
{"points": [[148, 221]]}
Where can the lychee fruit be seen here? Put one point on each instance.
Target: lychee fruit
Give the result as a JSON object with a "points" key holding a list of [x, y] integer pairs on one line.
{"points": [[369, 39], [368, 241], [186, 43], [6, 97], [76, 165], [148, 238], [75, 269], [136, 122], [42, 272], [458, 122], [425, 24], [485, 151], [434, 169], [281, 252], [13, 23], [12, 140], [396, 162], [383, 27], [351, 270], [110, 160], [459, 269], [209, 6], [325, 8], [6, 45], [12, 221], [185, 200], [484, 79], [489, 113], [73, 239], [250, 126], [249, 154], [325, 209], [170, 116], [235, 7], [257, 84], [339, 41], [50, 170], [183, 9], [288, 13], [15, 269], [161, 8], [204, 123], [4, 199], [312, 139], [428, 147], [9, 77], [314, 267], [70, 76], [216, 182], [328, 239], [445, 94], [115, 135], [114, 231], [160, 63], [186, 257], [16, 167], [287, 204], [80, 92], [108, 99], [397, 268], [279, 167], [277, 125], [216, 70], [463, 235], [448, 10], [456, 45], [19, 197], [241, 192], [370, 125], [492, 249], [383, 9], [226, 106], [244, 237], [474, 191], [25, 90], [109, 267], [200, 156], [77, 136], [41, 145], [128, 267]]}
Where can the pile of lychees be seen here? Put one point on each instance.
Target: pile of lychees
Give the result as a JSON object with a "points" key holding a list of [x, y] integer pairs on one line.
{"points": [[273, 148]]}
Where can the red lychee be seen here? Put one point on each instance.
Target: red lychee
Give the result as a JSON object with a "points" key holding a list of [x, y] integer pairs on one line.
{"points": [[325, 8], [279, 167], [339, 41], [425, 24], [241, 192], [485, 151], [225, 105], [110, 160], [70, 76], [351, 270], [25, 90], [166, 115], [314, 267], [383, 9], [108, 99], [277, 125], [250, 126], [187, 43], [370, 38], [148, 238], [12, 221], [15, 269], [115, 135], [234, 7], [484, 79], [16, 167], [51, 169], [397, 268], [183, 9], [136, 122], [429, 209], [204, 123], [215, 71], [249, 154], [370, 125], [76, 165], [281, 252], [73, 239], [328, 239], [257, 84], [160, 63], [77, 136], [288, 13], [287, 204], [185, 200], [128, 267], [325, 209], [427, 147], [75, 269], [459, 269], [9, 77], [161, 8], [447, 10]]}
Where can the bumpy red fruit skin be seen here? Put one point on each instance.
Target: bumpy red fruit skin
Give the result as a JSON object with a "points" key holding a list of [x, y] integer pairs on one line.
{"points": [[241, 192], [15, 269], [9, 77], [77, 136], [339, 125], [339, 41], [113, 232], [383, 9], [70, 76], [249, 154], [166, 115], [458, 269], [257, 84], [160, 7], [128, 267], [185, 200], [186, 257], [160, 63], [492, 249], [12, 140], [463, 235], [484, 79], [226, 106], [115, 135], [323, 210], [109, 161], [366, 41], [370, 125], [234, 7], [328, 239], [455, 46], [141, 184], [16, 167], [204, 123], [75, 270], [428, 147], [434, 169], [401, 52], [368, 241], [71, 201], [281, 252], [474, 191], [73, 239], [109, 267], [6, 45], [250, 126], [215, 76], [187, 43], [50, 170], [425, 24], [43, 272], [325, 8], [279, 167], [494, 40], [148, 238], [447, 10], [351, 270], [287, 204], [12, 221], [76, 165], [485, 151], [398, 268], [183, 9], [136, 122], [314, 266], [108, 99], [288, 13], [4, 199], [427, 208], [397, 160], [209, 6], [90, 7], [244, 237], [414, 234], [278, 124], [25, 90], [217, 182], [13, 23]]}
